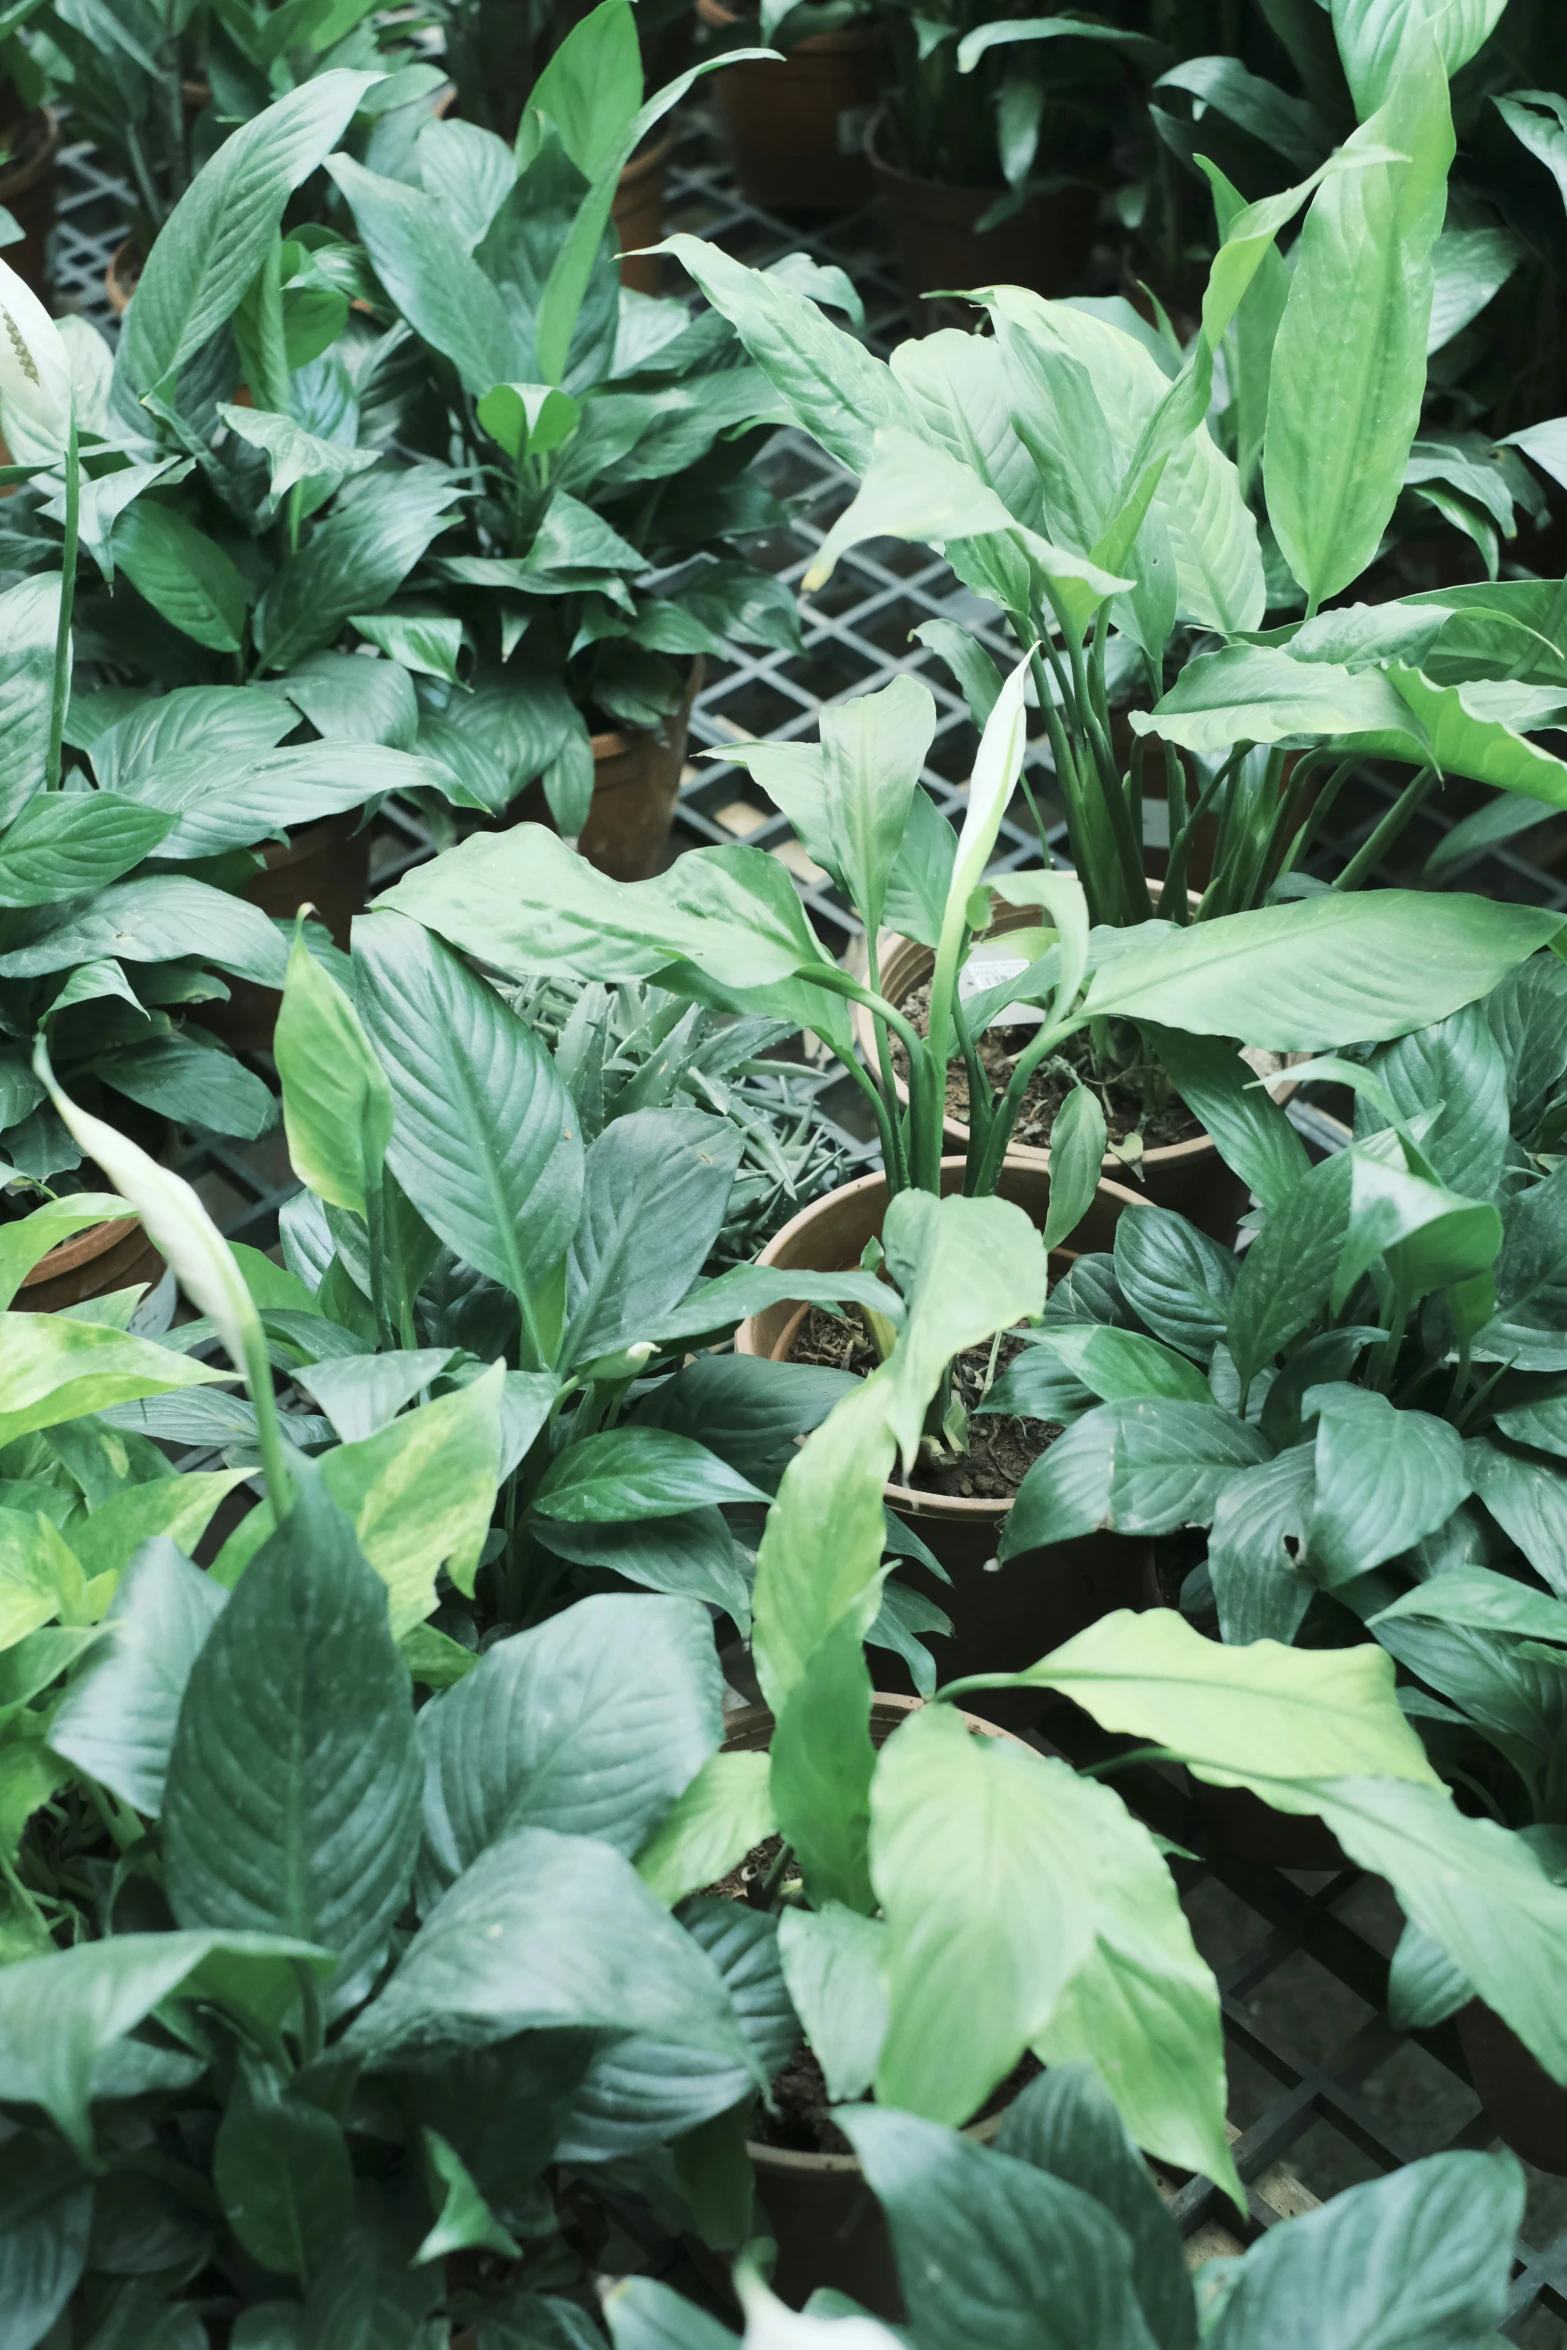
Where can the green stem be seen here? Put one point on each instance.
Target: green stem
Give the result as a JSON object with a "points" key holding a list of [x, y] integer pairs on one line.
{"points": [[1317, 816], [897, 1161], [1370, 852], [269, 1432], [1006, 1113], [62, 641], [927, 1084]]}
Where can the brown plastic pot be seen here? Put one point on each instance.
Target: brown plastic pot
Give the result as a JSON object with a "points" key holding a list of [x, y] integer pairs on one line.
{"points": [[1003, 1619], [638, 212], [1525, 2107], [91, 1264], [938, 244], [796, 131], [1189, 1177], [636, 784], [27, 190], [827, 2224], [325, 865]]}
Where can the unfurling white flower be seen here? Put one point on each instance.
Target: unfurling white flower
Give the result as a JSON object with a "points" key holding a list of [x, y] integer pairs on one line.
{"points": [[35, 373]]}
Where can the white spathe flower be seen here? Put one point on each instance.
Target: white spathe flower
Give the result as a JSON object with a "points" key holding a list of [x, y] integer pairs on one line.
{"points": [[35, 371]]}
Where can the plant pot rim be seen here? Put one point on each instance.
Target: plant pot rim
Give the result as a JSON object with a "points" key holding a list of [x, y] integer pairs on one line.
{"points": [[647, 160], [879, 163], [68, 1256], [784, 2159], [972, 1510], [852, 36], [1164, 1155], [18, 176]]}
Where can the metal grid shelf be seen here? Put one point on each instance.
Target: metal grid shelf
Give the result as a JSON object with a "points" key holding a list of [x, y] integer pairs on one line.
{"points": [[1319, 2079]]}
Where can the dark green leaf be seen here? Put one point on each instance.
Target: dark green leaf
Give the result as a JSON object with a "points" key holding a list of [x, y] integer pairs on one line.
{"points": [[117, 1719], [632, 1472], [750, 1412], [1173, 1276], [281, 2169], [1136, 1468], [183, 574], [1384, 1479], [655, 1188], [69, 844]]}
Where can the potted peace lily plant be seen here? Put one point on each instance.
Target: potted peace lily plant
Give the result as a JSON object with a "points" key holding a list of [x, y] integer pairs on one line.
{"points": [[1363, 1412], [1056, 2227], [607, 439], [725, 926], [1071, 479]]}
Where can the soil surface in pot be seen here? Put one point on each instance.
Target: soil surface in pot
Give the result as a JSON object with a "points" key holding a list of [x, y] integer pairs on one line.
{"points": [[1122, 1097], [1001, 1449]]}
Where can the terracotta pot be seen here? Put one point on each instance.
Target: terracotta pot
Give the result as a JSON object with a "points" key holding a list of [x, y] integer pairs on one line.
{"points": [[639, 214], [91, 1264], [1002, 1620], [27, 190], [1189, 1177], [796, 132], [1525, 2107], [119, 279], [325, 865], [636, 785], [827, 2224], [937, 243], [1253, 1831]]}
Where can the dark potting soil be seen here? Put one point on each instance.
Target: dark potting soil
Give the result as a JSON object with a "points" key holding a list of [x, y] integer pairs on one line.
{"points": [[1001, 1449], [801, 2120], [1170, 1121]]}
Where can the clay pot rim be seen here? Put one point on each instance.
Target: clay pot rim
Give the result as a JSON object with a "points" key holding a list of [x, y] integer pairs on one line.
{"points": [[973, 1510], [719, 19], [614, 743], [1164, 1155], [16, 177], [785, 2158], [67, 1256]]}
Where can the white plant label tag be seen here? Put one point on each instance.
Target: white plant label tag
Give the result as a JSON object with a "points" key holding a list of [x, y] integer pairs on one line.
{"points": [[983, 971]]}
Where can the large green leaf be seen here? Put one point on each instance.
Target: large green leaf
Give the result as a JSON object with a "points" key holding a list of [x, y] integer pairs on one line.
{"points": [[1530, 1324], [216, 810], [282, 2171], [979, 1855], [1349, 360], [1371, 35], [30, 1237], [117, 1719], [1252, 1133], [592, 1724], [485, 1141], [1177, 1279], [545, 1931], [966, 1268], [159, 920], [1384, 1478], [69, 844], [1142, 1467], [1458, 1069], [1421, 2257], [832, 1965], [629, 1472], [434, 282], [718, 1817], [292, 1796], [29, 625], [421, 1493], [217, 235], [337, 1105], [999, 2256], [352, 561], [655, 1189], [54, 1369], [822, 1765], [1261, 694], [1341, 966]]}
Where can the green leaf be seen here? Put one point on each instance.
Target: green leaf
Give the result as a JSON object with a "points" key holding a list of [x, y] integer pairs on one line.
{"points": [[353, 561], [31, 1237], [29, 625], [433, 280], [591, 1725], [1529, 1328], [1078, 1138], [1004, 2254], [643, 2315], [292, 1796], [720, 1815], [1257, 1547], [1422, 2256], [337, 1104], [54, 1369], [630, 1472], [655, 1188], [966, 1268], [1252, 1133], [282, 2172], [1262, 694], [1384, 1479], [1477, 1598], [1281, 1721], [99, 1992], [485, 1139], [1141, 1467], [822, 1764], [977, 1853], [1177, 1279], [872, 751], [1120, 1365], [117, 1719], [70, 844], [1457, 1068], [545, 1931], [295, 456], [832, 1960], [465, 2222], [180, 1508], [590, 89], [690, 1555], [294, 786], [158, 920], [1528, 1500], [184, 575], [1349, 360], [1341, 965], [1286, 1278], [1371, 36], [428, 642], [1066, 2123], [218, 234]]}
